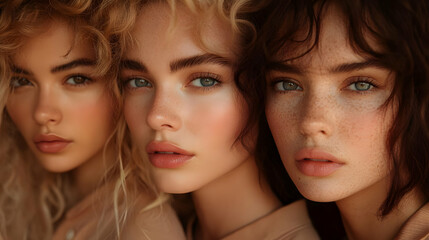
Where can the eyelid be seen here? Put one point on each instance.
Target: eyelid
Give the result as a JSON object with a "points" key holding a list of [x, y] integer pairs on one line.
{"points": [[194, 76], [275, 81], [88, 80], [16, 78], [217, 78], [357, 79], [126, 82]]}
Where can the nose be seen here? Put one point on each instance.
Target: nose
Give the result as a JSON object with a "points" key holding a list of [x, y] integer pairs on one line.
{"points": [[164, 113], [318, 113], [47, 111]]}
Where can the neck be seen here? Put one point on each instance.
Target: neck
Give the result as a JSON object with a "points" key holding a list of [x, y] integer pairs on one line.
{"points": [[233, 201], [360, 212], [87, 177]]}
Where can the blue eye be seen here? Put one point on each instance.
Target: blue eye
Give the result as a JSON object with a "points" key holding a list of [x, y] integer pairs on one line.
{"points": [[361, 86], [78, 80], [286, 85], [138, 83], [17, 82], [204, 82]]}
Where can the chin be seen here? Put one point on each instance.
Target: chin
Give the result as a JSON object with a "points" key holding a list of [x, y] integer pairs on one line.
{"points": [[55, 165], [172, 183]]}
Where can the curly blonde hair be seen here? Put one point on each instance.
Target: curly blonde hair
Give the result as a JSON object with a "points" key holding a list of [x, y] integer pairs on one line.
{"points": [[32, 200]]}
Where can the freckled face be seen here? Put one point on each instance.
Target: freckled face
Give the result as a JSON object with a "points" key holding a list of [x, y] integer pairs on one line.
{"points": [[181, 105], [326, 113], [62, 112]]}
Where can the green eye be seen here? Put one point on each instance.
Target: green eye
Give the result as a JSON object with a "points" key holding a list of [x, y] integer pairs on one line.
{"points": [[138, 83], [361, 86], [204, 82], [286, 85]]}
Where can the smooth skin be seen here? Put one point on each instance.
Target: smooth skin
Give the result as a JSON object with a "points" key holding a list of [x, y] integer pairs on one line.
{"points": [[178, 93]]}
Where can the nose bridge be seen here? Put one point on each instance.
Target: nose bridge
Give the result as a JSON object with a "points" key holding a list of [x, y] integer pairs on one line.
{"points": [[317, 113], [46, 110], [164, 112]]}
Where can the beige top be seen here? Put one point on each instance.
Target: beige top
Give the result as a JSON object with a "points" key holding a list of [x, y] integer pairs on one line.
{"points": [[417, 226], [289, 222]]}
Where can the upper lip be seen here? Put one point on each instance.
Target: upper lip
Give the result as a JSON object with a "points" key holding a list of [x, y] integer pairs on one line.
{"points": [[313, 154], [49, 138], [155, 147]]}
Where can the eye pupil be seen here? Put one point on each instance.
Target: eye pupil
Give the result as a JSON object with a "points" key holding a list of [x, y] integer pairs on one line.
{"points": [[22, 81], [289, 86], [206, 82], [362, 86], [79, 80], [141, 83]]}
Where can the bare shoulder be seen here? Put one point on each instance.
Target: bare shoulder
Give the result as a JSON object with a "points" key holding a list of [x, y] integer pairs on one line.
{"points": [[159, 222]]}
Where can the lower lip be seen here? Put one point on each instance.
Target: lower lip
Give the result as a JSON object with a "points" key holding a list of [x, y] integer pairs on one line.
{"points": [[317, 168], [52, 146], [161, 160]]}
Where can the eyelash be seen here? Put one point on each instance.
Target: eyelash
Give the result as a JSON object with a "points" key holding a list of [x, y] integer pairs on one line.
{"points": [[280, 80], [126, 83], [87, 81], [368, 80], [78, 75], [210, 75]]}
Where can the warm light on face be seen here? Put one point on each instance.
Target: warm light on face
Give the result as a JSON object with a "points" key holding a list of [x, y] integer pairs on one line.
{"points": [[326, 113], [182, 106], [63, 113]]}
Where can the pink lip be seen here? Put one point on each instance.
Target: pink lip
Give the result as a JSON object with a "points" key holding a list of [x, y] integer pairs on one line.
{"points": [[166, 155], [50, 143], [317, 163]]}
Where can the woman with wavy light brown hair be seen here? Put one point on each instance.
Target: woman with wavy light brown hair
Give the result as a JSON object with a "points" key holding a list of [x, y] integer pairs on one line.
{"points": [[65, 173]]}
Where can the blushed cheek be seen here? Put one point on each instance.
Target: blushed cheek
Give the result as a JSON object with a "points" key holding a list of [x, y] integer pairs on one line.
{"points": [[220, 122], [96, 115], [21, 115], [282, 120], [135, 113]]}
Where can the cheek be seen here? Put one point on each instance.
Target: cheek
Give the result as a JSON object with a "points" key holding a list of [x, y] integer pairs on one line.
{"points": [[135, 112], [20, 111], [220, 120], [282, 120], [367, 134], [93, 114]]}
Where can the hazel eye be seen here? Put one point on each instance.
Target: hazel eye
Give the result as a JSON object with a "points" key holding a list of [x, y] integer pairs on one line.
{"points": [[204, 82], [17, 82], [77, 80], [138, 83], [286, 85]]}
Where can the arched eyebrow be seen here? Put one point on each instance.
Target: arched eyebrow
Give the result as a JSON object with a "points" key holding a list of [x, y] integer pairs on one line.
{"points": [[20, 70], [176, 65], [59, 68], [353, 66], [75, 63], [341, 68]]}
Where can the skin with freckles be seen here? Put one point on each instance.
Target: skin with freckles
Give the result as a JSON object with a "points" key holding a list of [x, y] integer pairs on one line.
{"points": [[195, 107], [329, 116], [321, 104], [55, 94]]}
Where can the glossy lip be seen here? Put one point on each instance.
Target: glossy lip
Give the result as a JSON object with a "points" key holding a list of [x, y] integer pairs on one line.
{"points": [[316, 163], [167, 155], [50, 143]]}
